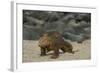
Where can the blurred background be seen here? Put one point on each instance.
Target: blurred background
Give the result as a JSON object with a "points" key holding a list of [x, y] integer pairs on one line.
{"points": [[73, 26]]}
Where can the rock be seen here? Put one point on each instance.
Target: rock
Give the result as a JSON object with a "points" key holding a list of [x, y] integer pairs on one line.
{"points": [[72, 25], [73, 37]]}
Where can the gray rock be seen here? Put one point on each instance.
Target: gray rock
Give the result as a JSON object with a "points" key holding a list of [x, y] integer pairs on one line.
{"points": [[73, 37]]}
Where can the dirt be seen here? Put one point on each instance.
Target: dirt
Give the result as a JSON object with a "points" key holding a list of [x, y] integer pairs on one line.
{"points": [[31, 52]]}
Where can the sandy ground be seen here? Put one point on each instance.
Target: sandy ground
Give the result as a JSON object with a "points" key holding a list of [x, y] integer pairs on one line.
{"points": [[31, 52]]}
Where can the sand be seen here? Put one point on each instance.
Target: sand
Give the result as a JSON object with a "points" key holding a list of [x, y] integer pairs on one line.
{"points": [[31, 52]]}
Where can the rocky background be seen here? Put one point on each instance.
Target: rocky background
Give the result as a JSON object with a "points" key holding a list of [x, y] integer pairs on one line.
{"points": [[73, 26]]}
